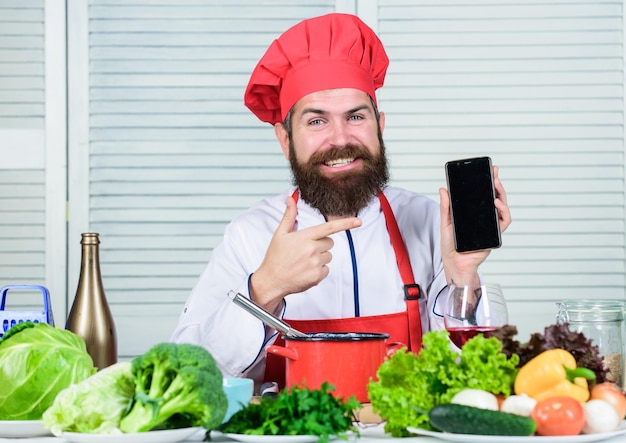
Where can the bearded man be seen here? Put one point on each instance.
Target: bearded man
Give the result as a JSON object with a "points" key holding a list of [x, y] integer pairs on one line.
{"points": [[341, 251]]}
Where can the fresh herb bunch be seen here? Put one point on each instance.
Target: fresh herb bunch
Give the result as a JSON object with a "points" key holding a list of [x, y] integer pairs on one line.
{"points": [[297, 411]]}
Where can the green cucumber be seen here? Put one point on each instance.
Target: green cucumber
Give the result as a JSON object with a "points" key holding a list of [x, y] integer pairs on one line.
{"points": [[461, 419]]}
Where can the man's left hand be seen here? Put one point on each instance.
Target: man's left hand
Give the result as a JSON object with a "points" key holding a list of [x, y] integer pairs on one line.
{"points": [[462, 268]]}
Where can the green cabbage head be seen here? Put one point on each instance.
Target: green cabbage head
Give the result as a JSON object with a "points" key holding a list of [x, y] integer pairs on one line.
{"points": [[37, 361]]}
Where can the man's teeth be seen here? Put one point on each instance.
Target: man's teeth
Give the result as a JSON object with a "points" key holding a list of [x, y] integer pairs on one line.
{"points": [[339, 162]]}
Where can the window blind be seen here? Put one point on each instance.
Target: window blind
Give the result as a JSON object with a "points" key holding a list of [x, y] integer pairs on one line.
{"points": [[174, 154], [22, 175], [538, 86]]}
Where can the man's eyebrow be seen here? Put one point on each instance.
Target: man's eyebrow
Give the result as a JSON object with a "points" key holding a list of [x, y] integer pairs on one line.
{"points": [[313, 111], [322, 112], [358, 108]]}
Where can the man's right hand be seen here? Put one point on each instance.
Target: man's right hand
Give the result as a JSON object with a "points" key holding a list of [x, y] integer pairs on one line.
{"points": [[295, 260]]}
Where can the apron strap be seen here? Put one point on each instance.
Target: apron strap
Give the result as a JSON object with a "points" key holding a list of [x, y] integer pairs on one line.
{"points": [[412, 290]]}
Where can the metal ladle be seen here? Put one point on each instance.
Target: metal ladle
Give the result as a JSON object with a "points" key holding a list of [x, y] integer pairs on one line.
{"points": [[263, 315]]}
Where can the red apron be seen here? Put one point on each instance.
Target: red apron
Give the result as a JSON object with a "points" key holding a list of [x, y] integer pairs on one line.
{"points": [[403, 327]]}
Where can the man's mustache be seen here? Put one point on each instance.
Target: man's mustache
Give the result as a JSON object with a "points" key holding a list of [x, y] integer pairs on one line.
{"points": [[339, 153]]}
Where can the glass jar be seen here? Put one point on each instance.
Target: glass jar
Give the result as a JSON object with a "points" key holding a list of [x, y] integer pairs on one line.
{"points": [[602, 321]]}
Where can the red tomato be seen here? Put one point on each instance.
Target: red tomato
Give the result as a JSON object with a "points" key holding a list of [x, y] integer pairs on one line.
{"points": [[612, 393], [559, 416]]}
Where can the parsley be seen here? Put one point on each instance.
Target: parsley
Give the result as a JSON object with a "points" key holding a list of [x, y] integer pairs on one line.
{"points": [[297, 411]]}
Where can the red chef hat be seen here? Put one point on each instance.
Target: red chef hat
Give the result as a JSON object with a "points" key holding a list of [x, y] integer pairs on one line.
{"points": [[327, 52]]}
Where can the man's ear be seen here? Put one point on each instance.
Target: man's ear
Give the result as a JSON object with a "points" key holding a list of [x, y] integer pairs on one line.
{"points": [[283, 138], [381, 121]]}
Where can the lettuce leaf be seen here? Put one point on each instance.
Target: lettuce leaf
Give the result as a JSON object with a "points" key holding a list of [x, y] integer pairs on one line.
{"points": [[95, 405], [555, 336], [409, 384]]}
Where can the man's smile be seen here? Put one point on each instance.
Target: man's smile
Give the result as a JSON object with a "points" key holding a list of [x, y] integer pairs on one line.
{"points": [[339, 162]]}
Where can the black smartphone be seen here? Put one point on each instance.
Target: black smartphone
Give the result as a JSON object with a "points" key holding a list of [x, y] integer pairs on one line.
{"points": [[472, 195]]}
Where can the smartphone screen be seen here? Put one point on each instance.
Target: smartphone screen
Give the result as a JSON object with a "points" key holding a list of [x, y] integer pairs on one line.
{"points": [[474, 215]]}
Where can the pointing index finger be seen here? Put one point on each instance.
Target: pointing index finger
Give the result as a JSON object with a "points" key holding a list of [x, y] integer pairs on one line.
{"points": [[334, 226]]}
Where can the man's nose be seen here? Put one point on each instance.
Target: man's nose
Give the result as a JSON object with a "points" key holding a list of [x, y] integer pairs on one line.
{"points": [[340, 133]]}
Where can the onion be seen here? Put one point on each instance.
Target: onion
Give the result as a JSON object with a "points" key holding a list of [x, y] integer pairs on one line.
{"points": [[600, 416], [519, 404], [477, 398], [611, 393]]}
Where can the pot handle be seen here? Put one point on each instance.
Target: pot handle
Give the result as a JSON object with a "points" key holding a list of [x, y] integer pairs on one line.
{"points": [[281, 351], [392, 348]]}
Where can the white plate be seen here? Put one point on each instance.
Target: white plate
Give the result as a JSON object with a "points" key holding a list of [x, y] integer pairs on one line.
{"points": [[467, 438], [273, 438], [169, 436], [22, 428]]}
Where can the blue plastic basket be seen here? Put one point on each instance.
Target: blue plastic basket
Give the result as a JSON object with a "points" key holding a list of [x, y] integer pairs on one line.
{"points": [[9, 318]]}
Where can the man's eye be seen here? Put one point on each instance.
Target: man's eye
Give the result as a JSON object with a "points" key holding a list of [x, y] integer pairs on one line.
{"points": [[317, 121], [356, 117]]}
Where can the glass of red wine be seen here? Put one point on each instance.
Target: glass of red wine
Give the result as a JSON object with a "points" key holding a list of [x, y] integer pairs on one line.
{"points": [[473, 310]]}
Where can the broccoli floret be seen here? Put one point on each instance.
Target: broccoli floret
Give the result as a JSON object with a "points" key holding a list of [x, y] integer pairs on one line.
{"points": [[176, 385]]}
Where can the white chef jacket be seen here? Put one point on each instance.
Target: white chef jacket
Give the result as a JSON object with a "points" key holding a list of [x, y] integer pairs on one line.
{"points": [[236, 339]]}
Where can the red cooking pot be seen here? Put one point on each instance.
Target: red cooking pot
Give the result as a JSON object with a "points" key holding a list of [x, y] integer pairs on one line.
{"points": [[346, 360]]}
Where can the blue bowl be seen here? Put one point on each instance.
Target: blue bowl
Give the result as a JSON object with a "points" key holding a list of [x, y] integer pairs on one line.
{"points": [[239, 393]]}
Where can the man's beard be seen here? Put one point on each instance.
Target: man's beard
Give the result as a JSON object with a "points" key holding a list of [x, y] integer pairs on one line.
{"points": [[344, 194]]}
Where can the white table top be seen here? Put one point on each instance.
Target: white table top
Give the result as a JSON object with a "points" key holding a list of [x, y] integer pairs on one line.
{"points": [[371, 434]]}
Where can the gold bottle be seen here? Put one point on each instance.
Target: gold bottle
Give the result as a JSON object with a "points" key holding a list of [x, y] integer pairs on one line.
{"points": [[90, 316]]}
